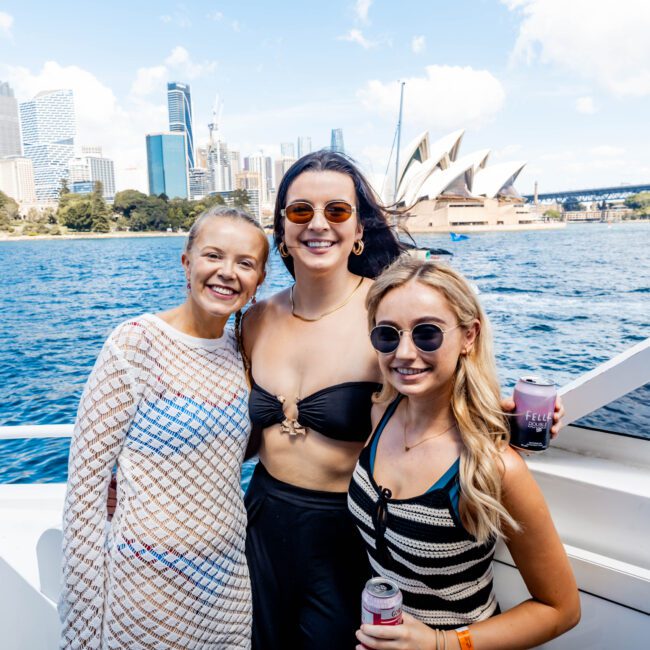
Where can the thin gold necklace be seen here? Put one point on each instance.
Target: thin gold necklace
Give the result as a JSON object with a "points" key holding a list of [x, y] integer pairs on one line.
{"points": [[327, 313], [436, 435]]}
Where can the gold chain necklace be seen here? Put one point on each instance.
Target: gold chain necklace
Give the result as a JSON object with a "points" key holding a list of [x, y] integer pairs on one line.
{"points": [[437, 435], [327, 313]]}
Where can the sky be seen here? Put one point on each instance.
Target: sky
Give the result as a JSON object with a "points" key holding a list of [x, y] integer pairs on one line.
{"points": [[563, 85]]}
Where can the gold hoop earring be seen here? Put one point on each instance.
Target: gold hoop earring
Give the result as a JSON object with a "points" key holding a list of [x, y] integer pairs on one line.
{"points": [[284, 251], [358, 247]]}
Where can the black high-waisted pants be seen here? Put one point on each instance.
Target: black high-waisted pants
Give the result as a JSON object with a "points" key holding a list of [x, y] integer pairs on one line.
{"points": [[307, 565]]}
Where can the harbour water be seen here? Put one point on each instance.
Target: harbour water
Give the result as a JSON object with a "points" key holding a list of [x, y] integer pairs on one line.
{"points": [[560, 302]]}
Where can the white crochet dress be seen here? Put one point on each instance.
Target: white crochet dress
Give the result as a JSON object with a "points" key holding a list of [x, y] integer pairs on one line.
{"points": [[169, 571]]}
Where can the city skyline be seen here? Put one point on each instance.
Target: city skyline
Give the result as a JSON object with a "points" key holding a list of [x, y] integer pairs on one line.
{"points": [[563, 87]]}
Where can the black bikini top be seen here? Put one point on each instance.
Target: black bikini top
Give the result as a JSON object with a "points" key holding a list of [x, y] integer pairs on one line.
{"points": [[340, 412]]}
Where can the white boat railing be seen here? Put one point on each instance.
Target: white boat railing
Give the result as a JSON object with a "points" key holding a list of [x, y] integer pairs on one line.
{"points": [[36, 431], [607, 382]]}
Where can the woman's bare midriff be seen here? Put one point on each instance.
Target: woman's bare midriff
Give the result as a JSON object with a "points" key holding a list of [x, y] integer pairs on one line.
{"points": [[309, 460]]}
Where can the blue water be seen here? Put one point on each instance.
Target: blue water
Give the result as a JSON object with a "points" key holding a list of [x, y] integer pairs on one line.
{"points": [[560, 302]]}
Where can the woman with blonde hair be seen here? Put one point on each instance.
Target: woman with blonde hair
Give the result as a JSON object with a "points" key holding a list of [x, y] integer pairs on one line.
{"points": [[437, 484], [167, 403]]}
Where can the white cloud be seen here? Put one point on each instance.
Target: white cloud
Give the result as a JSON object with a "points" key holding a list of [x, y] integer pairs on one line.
{"points": [[147, 80], [355, 36], [179, 62], [165, 18], [6, 23], [447, 97], [585, 105], [361, 8], [418, 43], [236, 27], [597, 40], [216, 16], [606, 151]]}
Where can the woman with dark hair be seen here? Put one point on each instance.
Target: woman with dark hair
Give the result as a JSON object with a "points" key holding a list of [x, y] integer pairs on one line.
{"points": [[313, 374]]}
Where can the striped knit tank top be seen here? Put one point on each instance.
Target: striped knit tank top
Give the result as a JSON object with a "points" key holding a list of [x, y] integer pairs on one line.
{"points": [[444, 574]]}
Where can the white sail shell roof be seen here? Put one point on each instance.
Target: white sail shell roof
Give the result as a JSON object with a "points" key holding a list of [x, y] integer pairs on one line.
{"points": [[439, 155], [498, 180], [449, 180]]}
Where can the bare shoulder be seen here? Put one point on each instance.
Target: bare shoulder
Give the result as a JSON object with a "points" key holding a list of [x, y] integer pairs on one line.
{"points": [[262, 312], [514, 466]]}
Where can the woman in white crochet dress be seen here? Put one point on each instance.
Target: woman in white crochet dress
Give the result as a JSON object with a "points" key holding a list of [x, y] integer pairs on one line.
{"points": [[167, 402]]}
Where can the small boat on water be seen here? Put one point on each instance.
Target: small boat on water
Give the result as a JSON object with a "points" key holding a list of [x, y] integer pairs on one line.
{"points": [[596, 482]]}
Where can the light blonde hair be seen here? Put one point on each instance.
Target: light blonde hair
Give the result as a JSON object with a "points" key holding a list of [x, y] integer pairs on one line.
{"points": [[475, 400]]}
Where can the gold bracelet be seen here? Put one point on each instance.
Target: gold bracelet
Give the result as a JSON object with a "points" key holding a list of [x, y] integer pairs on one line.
{"points": [[437, 639], [444, 639], [464, 638]]}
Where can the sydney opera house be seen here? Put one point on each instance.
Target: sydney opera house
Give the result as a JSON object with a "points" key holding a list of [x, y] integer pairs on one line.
{"points": [[438, 190]]}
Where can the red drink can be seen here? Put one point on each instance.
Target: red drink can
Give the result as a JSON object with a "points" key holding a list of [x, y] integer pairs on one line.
{"points": [[381, 603], [530, 425]]}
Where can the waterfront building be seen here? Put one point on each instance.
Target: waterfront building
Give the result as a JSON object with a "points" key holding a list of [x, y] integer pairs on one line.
{"points": [[78, 171], [9, 122], [253, 183], [200, 183], [91, 168], [179, 106], [262, 165], [220, 168], [17, 179], [103, 170], [166, 165], [287, 150], [48, 128], [304, 146], [336, 141], [440, 191], [81, 187]]}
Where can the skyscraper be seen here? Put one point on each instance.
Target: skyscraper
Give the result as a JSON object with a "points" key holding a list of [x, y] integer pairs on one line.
{"points": [[336, 143], [166, 165], [304, 145], [179, 105], [91, 167], [48, 126], [9, 122], [103, 170], [287, 150], [262, 165], [17, 179]]}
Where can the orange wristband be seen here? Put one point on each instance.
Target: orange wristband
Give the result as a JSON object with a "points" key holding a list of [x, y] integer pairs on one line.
{"points": [[464, 638]]}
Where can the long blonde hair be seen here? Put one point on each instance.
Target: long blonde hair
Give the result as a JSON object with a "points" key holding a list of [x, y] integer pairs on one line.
{"points": [[475, 400]]}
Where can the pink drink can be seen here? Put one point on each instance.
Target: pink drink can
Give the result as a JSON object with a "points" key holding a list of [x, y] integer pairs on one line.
{"points": [[530, 425], [381, 603]]}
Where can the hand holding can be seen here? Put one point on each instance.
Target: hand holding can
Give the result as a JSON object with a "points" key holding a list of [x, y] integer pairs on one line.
{"points": [[530, 424], [381, 603]]}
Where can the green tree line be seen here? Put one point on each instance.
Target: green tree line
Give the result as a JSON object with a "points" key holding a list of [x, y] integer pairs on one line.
{"points": [[131, 210], [640, 203]]}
